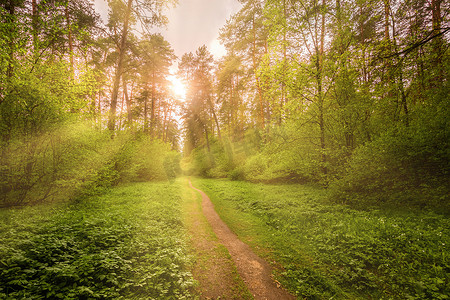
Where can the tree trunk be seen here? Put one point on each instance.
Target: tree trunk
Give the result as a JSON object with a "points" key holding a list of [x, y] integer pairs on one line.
{"points": [[437, 43], [146, 113], [258, 85], [215, 117], [167, 109], [283, 82], [11, 8], [128, 102], [119, 70], [207, 138], [69, 32], [386, 19], [152, 118], [320, 105], [320, 92], [34, 25]]}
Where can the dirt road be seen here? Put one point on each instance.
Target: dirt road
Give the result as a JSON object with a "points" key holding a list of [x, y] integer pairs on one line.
{"points": [[255, 272]]}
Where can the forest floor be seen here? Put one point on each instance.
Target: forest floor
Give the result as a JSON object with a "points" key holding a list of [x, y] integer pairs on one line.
{"points": [[217, 273], [165, 240]]}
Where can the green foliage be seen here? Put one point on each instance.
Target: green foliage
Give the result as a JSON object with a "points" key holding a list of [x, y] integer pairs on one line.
{"points": [[407, 165], [51, 144], [284, 159], [203, 161], [128, 243], [331, 251], [171, 165], [34, 102], [79, 160], [53, 165], [281, 160], [143, 159]]}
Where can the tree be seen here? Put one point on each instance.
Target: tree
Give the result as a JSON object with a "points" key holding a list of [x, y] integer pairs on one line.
{"points": [[245, 35], [200, 116], [230, 83], [149, 12], [155, 58]]}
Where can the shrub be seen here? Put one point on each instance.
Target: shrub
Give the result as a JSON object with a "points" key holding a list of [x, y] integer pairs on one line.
{"points": [[54, 165], [144, 159], [408, 164]]}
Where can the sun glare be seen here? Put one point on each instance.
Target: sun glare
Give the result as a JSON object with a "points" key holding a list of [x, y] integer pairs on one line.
{"points": [[177, 86]]}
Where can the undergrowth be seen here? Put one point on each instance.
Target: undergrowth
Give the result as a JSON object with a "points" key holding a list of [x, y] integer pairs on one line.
{"points": [[329, 251], [126, 244]]}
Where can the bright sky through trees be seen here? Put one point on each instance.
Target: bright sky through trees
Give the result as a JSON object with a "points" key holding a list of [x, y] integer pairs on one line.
{"points": [[177, 87], [192, 23]]}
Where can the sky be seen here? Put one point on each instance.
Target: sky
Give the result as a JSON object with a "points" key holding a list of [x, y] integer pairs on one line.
{"points": [[192, 23]]}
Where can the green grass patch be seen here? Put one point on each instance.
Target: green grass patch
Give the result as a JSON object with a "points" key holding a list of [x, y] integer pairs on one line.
{"points": [[325, 250], [127, 244]]}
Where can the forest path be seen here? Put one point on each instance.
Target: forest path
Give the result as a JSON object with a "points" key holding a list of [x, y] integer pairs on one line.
{"points": [[213, 269], [255, 271]]}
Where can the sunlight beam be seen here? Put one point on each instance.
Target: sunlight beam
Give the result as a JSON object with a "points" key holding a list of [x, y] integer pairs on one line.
{"points": [[177, 87]]}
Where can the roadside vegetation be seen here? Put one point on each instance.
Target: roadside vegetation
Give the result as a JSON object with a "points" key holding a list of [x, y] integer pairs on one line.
{"points": [[324, 250], [127, 244]]}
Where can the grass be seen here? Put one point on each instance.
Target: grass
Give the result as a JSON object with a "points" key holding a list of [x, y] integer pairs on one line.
{"points": [[131, 243], [325, 251], [127, 244]]}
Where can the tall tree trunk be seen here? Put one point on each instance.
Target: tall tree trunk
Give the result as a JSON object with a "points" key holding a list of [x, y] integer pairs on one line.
{"points": [[283, 82], [128, 102], [119, 69], [11, 8], [320, 91], [386, 19], [167, 109], [121, 109], [69, 33], [320, 104], [146, 113], [205, 126], [230, 118], [211, 106], [437, 43], [34, 26], [399, 71], [153, 97], [258, 84]]}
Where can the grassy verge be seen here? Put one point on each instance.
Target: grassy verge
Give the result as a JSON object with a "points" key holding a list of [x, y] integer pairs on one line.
{"points": [[328, 251], [127, 244]]}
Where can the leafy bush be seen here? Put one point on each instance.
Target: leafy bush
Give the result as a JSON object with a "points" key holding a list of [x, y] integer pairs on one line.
{"points": [[408, 164], [225, 158], [236, 174], [79, 160], [55, 164], [44, 153], [201, 162], [172, 164], [143, 159], [34, 102]]}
